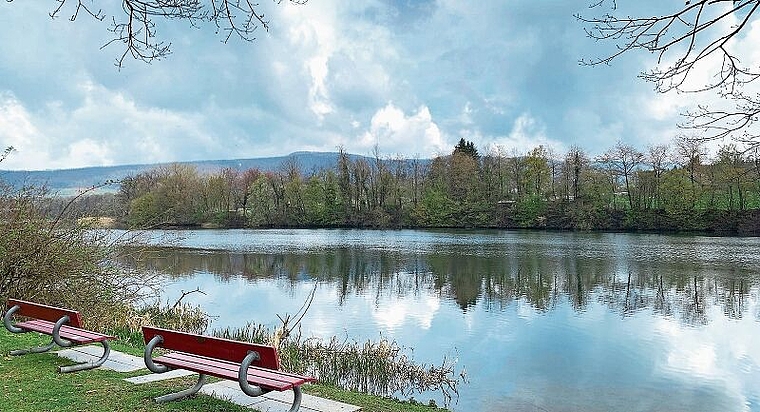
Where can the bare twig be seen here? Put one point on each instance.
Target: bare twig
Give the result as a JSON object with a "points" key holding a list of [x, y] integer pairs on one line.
{"points": [[179, 301], [682, 41], [135, 27], [286, 329]]}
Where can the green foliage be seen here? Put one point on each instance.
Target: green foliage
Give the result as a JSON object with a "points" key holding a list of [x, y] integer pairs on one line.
{"points": [[531, 212], [144, 211], [435, 209], [537, 173], [617, 192]]}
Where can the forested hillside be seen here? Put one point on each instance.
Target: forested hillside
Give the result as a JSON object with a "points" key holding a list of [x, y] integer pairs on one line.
{"points": [[68, 181], [667, 188]]}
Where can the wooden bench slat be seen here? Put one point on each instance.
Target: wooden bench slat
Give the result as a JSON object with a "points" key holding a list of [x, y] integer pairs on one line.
{"points": [[220, 373], [226, 368], [266, 378], [76, 335], [280, 376]]}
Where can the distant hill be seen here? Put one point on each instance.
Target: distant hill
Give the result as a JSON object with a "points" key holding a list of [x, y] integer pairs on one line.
{"points": [[70, 181]]}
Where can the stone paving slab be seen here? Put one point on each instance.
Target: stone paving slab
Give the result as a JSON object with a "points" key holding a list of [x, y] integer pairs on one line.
{"points": [[154, 377], [274, 401], [116, 361]]}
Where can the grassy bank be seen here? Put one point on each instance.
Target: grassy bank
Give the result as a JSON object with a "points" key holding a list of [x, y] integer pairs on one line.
{"points": [[32, 383]]}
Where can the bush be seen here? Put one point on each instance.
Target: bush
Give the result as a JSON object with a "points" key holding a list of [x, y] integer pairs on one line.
{"points": [[55, 260]]}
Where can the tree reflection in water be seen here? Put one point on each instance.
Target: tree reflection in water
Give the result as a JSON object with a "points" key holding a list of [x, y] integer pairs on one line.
{"points": [[667, 285]]}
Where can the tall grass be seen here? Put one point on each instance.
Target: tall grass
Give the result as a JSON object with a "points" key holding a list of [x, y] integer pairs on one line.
{"points": [[376, 367]]}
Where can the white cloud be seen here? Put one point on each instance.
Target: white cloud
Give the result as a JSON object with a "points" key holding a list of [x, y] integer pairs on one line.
{"points": [[105, 128], [396, 132], [396, 312], [338, 52], [314, 36], [527, 133], [17, 129]]}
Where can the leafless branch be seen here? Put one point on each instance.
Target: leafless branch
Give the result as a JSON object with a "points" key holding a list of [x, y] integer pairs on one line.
{"points": [[135, 27], [720, 124], [287, 328], [6, 152], [686, 32], [179, 301], [682, 40]]}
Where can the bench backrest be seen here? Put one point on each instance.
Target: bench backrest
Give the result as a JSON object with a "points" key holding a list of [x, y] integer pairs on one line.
{"points": [[212, 347], [45, 312]]}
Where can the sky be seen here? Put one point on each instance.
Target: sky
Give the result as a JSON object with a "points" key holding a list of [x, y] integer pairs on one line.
{"points": [[405, 77]]}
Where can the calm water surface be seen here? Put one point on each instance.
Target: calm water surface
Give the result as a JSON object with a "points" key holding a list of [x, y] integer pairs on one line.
{"points": [[539, 321]]}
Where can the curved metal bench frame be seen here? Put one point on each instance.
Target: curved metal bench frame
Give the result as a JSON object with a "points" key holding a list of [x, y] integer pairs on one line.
{"points": [[247, 388], [57, 340]]}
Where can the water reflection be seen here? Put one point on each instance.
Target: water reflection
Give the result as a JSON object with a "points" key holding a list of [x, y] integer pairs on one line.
{"points": [[672, 285], [541, 321]]}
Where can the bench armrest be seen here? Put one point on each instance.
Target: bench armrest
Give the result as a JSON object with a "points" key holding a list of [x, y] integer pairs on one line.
{"points": [[246, 387], [7, 320], [148, 356], [57, 333]]}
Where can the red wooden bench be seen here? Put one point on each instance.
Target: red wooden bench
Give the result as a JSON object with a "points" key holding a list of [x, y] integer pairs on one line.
{"points": [[64, 325], [255, 367]]}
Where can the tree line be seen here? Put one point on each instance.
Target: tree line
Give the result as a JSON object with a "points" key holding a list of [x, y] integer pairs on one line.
{"points": [[670, 187]]}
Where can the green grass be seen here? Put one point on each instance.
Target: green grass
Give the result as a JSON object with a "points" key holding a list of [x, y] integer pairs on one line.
{"points": [[31, 383], [368, 403]]}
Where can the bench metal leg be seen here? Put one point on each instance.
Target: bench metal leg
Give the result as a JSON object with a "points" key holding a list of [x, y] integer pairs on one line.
{"points": [[185, 393], [39, 349], [8, 322], [252, 390], [88, 365], [296, 399]]}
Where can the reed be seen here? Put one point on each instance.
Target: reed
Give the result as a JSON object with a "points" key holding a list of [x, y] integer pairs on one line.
{"points": [[380, 367], [127, 325]]}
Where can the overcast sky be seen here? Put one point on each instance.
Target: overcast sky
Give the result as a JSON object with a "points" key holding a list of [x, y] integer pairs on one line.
{"points": [[410, 76]]}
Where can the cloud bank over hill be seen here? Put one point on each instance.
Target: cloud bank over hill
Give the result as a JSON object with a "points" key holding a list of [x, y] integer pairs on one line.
{"points": [[410, 78]]}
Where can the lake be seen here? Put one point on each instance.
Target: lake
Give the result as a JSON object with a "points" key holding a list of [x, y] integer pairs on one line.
{"points": [[539, 321]]}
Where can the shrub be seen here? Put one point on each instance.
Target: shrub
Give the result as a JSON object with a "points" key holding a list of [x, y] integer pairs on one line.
{"points": [[57, 261]]}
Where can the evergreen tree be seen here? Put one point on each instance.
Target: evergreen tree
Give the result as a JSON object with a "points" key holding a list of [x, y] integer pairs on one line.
{"points": [[467, 148]]}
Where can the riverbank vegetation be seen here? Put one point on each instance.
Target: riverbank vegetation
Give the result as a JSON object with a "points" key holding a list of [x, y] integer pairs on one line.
{"points": [[379, 368], [670, 188], [31, 383], [48, 255]]}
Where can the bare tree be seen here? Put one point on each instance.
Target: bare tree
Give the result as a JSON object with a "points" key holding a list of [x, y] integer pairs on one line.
{"points": [[622, 160], [689, 154], [656, 158], [135, 25], [576, 163], [691, 36]]}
